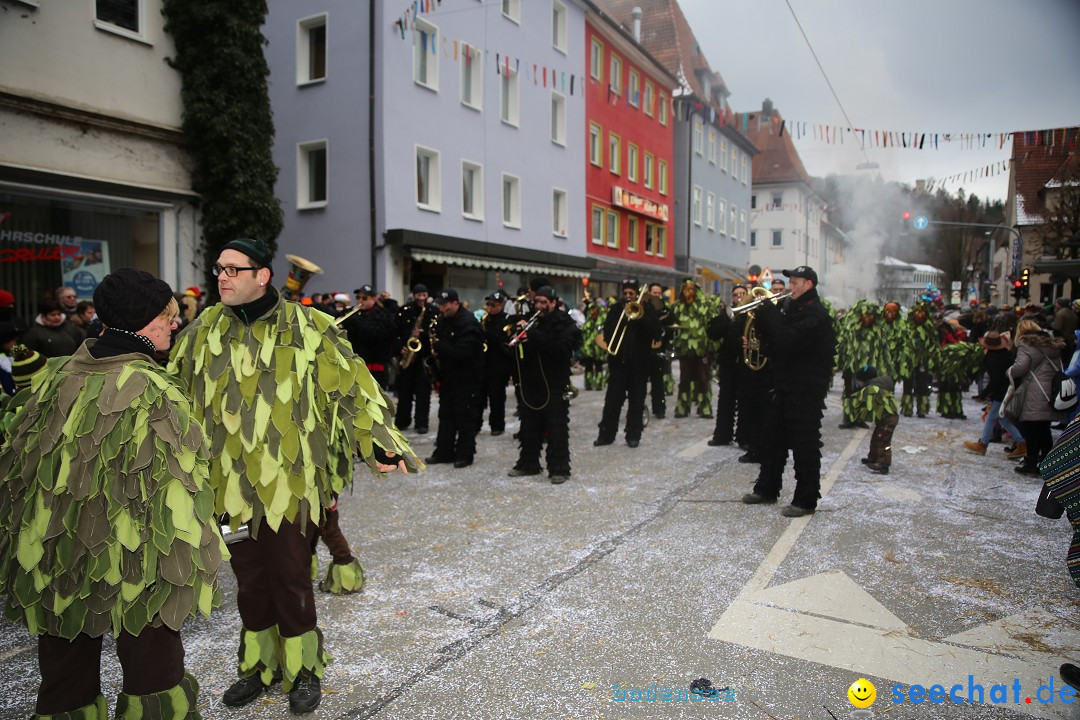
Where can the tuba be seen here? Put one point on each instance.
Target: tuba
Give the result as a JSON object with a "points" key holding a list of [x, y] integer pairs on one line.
{"points": [[301, 271], [751, 342]]}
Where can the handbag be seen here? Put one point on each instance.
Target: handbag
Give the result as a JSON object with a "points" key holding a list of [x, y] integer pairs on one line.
{"points": [[1047, 506], [1013, 402]]}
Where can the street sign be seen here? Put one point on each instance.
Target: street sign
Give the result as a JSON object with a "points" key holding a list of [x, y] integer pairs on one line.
{"points": [[920, 222]]}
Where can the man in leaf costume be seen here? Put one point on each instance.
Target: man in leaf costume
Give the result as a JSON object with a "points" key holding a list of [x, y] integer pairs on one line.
{"points": [[692, 347], [860, 342], [593, 357], [286, 404], [956, 366], [106, 516], [874, 401], [919, 351]]}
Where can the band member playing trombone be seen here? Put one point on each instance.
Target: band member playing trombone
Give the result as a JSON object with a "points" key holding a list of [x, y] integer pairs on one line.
{"points": [[630, 329], [458, 350], [542, 356], [413, 324], [497, 362]]}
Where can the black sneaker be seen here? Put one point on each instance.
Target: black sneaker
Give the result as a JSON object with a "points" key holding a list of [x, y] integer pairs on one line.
{"points": [[243, 691], [422, 429], [717, 443], [749, 458], [632, 443], [559, 479], [755, 499], [462, 463], [602, 441], [496, 433], [796, 511], [519, 472], [878, 468], [436, 460], [305, 694]]}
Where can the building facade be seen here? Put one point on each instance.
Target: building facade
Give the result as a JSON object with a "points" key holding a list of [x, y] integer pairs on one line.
{"points": [[904, 282], [93, 170], [465, 170], [629, 163]]}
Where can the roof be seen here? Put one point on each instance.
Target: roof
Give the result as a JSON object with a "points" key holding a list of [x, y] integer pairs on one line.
{"points": [[1039, 160], [778, 161]]}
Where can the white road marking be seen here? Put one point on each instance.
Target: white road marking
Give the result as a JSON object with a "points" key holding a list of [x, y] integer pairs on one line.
{"points": [[693, 451]]}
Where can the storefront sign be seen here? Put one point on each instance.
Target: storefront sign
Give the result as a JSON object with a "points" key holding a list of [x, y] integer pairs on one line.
{"points": [[56, 252], [85, 270], [623, 198]]}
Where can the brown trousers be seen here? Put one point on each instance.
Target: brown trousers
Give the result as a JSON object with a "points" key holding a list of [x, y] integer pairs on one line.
{"points": [[273, 579]]}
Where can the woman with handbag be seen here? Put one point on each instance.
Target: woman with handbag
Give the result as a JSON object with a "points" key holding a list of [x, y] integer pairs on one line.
{"points": [[997, 361], [1038, 359]]}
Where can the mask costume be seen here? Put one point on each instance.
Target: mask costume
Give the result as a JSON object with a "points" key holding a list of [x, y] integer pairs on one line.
{"points": [[874, 401], [917, 353], [861, 343], [594, 357], [693, 348], [956, 366]]}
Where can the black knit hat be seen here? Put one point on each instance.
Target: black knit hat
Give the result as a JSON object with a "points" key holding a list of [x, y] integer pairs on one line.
{"points": [[129, 299], [24, 363], [257, 250]]}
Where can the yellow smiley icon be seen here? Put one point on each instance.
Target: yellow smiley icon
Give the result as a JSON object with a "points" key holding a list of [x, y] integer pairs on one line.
{"points": [[862, 693]]}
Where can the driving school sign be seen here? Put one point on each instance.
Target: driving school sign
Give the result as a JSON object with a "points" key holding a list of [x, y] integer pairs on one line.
{"points": [[621, 197]]}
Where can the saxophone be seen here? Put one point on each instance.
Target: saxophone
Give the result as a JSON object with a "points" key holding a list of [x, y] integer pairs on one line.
{"points": [[413, 343]]}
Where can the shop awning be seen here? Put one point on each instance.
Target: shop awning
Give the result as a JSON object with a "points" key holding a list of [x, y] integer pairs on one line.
{"points": [[493, 263], [616, 270]]}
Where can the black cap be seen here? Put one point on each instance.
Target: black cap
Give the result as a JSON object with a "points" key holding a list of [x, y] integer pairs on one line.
{"points": [[803, 271], [257, 250], [546, 291], [129, 299], [630, 283], [365, 290], [445, 296], [419, 288], [538, 282], [497, 296]]}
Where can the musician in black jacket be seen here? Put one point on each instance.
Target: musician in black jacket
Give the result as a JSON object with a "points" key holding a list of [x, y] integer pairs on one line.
{"points": [[802, 342], [722, 328], [497, 362], [629, 368], [372, 333], [543, 357], [458, 353], [413, 383]]}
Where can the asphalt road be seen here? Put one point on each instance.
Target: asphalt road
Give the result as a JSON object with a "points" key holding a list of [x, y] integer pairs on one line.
{"points": [[497, 597]]}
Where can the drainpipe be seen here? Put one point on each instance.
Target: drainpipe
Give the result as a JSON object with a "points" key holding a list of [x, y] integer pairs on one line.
{"points": [[636, 13], [371, 135]]}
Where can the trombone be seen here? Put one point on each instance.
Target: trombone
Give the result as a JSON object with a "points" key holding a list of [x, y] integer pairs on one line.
{"points": [[759, 296], [633, 310]]}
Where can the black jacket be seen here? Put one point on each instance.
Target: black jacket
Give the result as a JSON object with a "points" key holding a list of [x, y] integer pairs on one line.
{"points": [[459, 350], [497, 359], [406, 321], [640, 334], [801, 342], [550, 345], [372, 335]]}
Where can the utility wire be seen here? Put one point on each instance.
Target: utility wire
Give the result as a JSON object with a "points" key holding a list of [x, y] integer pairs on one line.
{"points": [[825, 75]]}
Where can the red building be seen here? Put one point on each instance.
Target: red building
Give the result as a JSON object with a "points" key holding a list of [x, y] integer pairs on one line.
{"points": [[629, 155]]}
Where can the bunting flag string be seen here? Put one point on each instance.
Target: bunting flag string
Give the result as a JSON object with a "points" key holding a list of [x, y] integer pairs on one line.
{"points": [[918, 140], [979, 173]]}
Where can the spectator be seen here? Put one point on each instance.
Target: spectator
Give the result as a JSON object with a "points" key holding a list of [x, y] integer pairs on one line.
{"points": [[53, 334], [1065, 324], [69, 301]]}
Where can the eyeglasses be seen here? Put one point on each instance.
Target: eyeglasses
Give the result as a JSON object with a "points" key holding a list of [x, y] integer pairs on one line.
{"points": [[230, 270]]}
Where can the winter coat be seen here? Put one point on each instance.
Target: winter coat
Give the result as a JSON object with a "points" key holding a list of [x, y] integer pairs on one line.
{"points": [[52, 342], [997, 364], [1039, 354]]}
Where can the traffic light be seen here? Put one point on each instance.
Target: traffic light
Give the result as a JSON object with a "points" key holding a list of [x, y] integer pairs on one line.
{"points": [[1025, 281], [1018, 289], [905, 220]]}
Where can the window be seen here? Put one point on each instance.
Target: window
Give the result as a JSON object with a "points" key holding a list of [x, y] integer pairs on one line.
{"points": [[753, 202], [661, 241], [612, 232], [721, 216], [616, 74], [631, 162], [511, 186], [596, 149], [777, 238], [650, 238], [753, 238], [558, 118], [742, 225], [312, 175], [310, 50], [426, 54], [633, 89], [710, 211], [472, 77], [472, 190], [558, 25], [596, 60], [745, 172], [734, 161], [733, 221], [560, 213], [647, 172], [777, 200], [662, 180], [124, 17], [509, 96], [597, 225], [428, 185], [511, 10], [698, 136], [632, 232], [663, 109], [650, 98], [723, 154], [712, 146], [697, 205], [614, 154]]}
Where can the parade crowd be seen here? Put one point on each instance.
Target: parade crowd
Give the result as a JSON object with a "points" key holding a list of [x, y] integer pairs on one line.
{"points": [[149, 439]]}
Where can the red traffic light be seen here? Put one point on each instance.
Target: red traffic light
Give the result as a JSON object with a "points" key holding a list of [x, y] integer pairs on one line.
{"points": [[1018, 284], [906, 215]]}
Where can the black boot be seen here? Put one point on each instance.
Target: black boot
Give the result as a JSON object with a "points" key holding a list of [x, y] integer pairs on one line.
{"points": [[306, 693]]}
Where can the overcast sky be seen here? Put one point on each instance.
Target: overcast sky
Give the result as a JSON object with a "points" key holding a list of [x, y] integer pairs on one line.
{"points": [[947, 66]]}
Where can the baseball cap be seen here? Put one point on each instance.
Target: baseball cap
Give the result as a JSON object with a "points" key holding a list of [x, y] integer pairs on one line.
{"points": [[366, 290], [546, 291], [497, 296], [341, 297], [445, 296], [803, 271], [630, 283]]}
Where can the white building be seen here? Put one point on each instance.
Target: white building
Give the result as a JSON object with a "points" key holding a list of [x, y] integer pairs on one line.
{"points": [[93, 171], [904, 282]]}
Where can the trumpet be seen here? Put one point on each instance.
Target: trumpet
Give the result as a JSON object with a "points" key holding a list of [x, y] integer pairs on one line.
{"points": [[633, 310], [760, 296], [532, 321]]}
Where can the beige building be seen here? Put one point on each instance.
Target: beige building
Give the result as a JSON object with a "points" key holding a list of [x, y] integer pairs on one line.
{"points": [[93, 171]]}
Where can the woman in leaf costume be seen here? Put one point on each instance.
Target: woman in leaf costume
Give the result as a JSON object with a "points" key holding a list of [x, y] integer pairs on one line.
{"points": [[956, 366], [593, 357], [106, 518], [921, 346], [860, 343], [692, 311], [286, 404]]}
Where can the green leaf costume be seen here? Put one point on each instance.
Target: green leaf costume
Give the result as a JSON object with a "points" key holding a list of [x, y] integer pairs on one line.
{"points": [[955, 365], [106, 517], [286, 403], [692, 347], [921, 343], [859, 344], [594, 357]]}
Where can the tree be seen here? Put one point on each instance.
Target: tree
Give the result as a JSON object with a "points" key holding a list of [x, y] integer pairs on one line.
{"points": [[1060, 232], [227, 119]]}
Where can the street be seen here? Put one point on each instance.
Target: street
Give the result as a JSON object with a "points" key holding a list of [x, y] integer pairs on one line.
{"points": [[497, 597]]}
